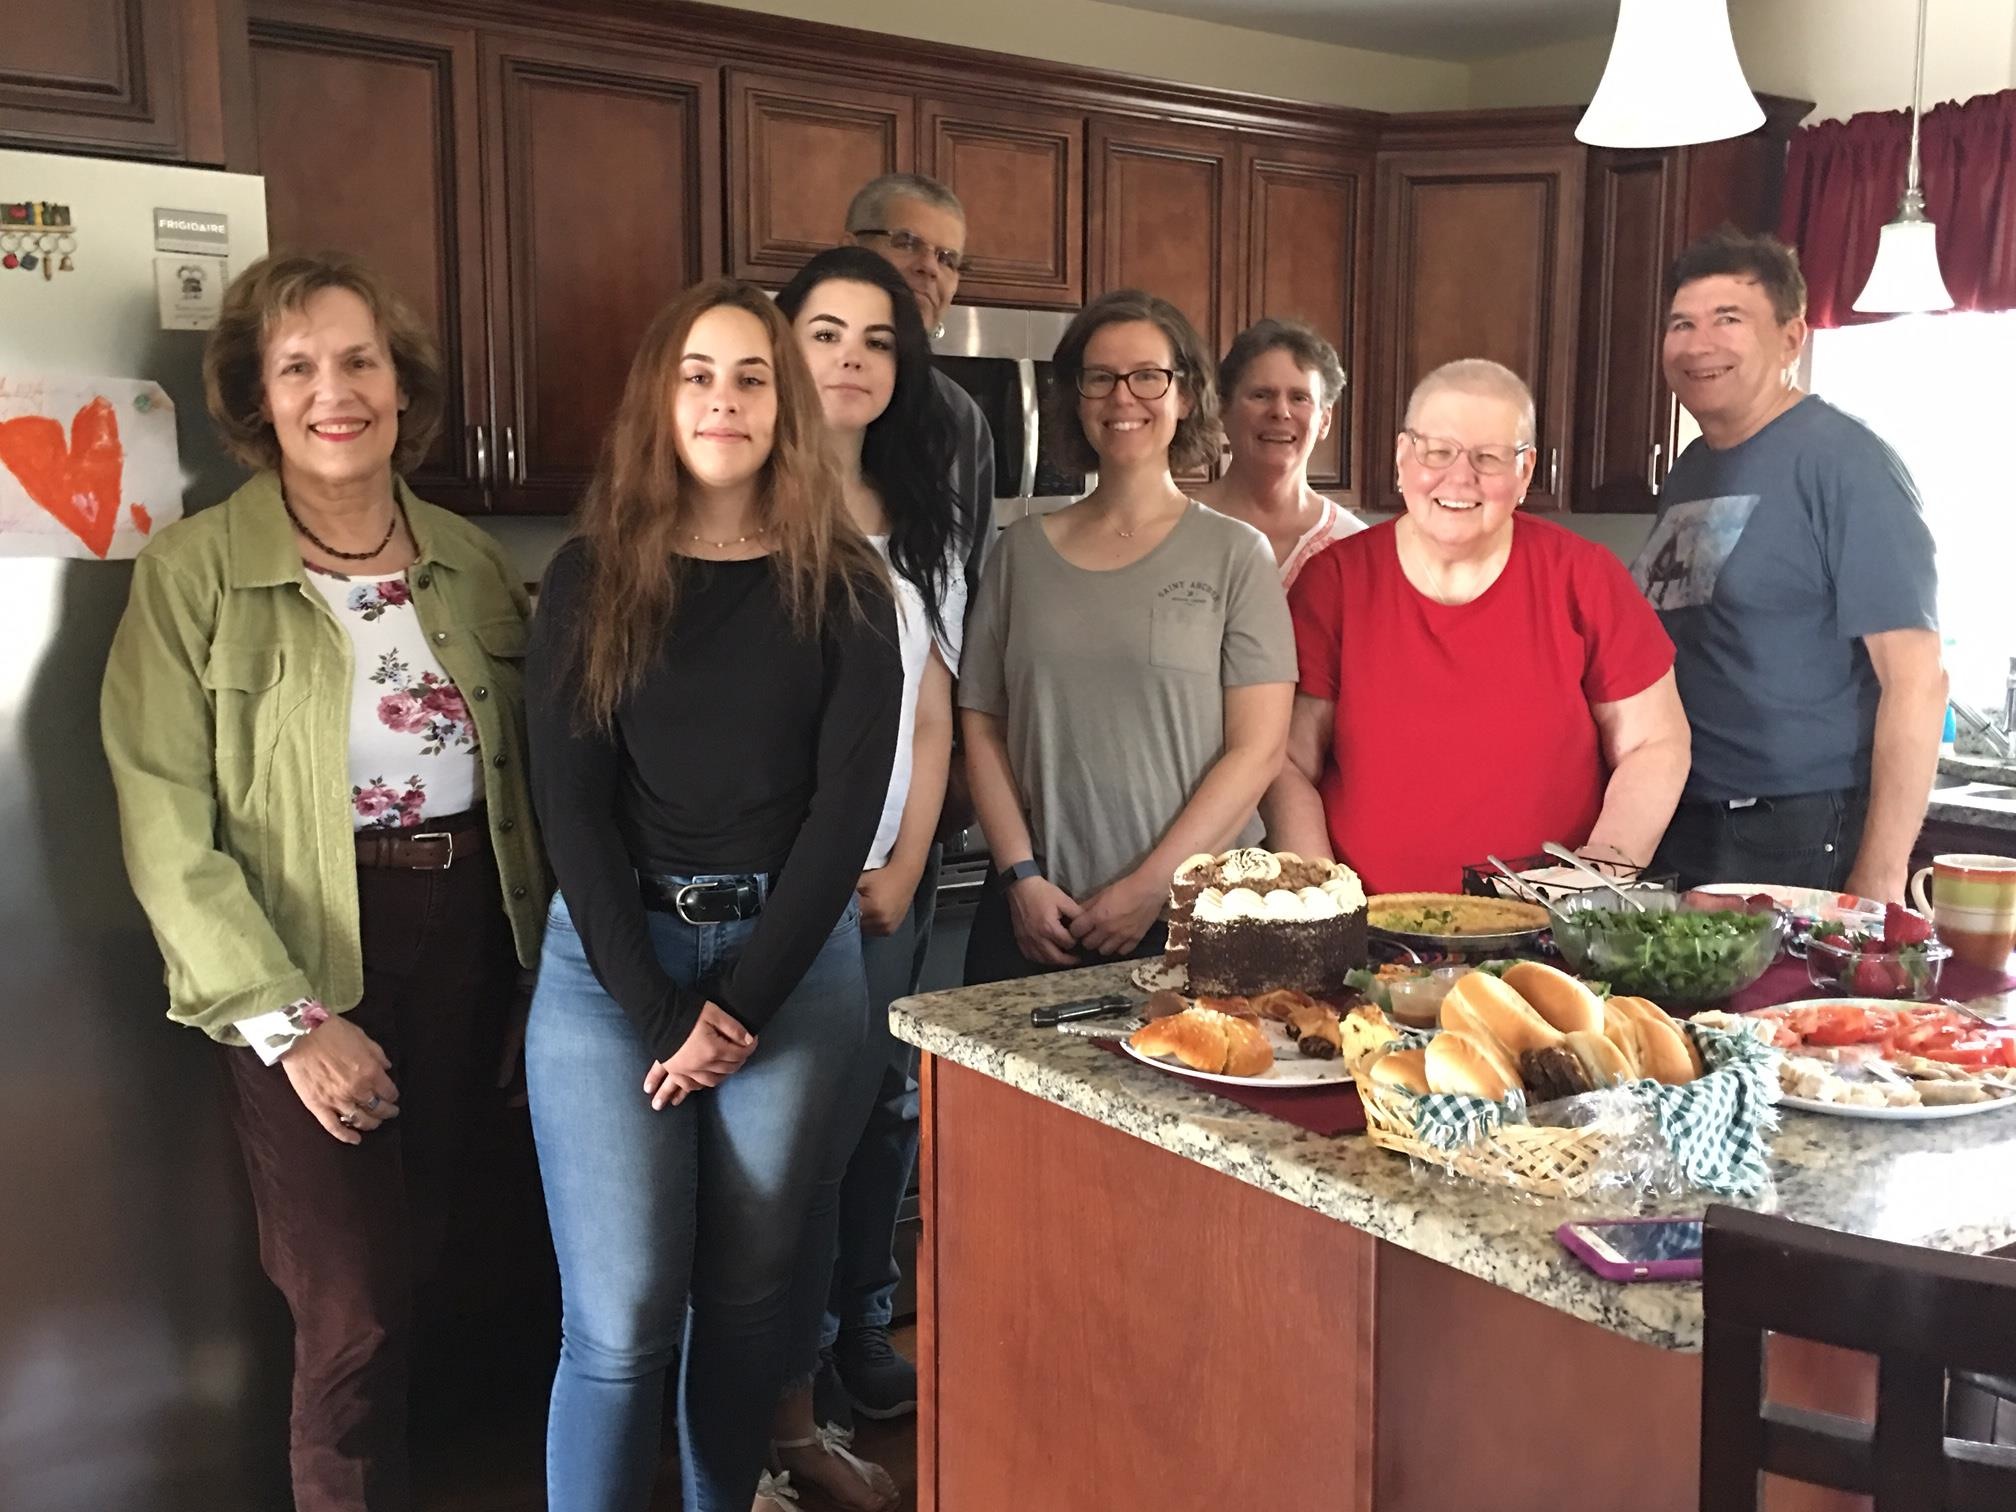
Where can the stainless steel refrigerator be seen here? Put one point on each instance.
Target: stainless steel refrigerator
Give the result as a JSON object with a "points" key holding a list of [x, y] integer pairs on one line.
{"points": [[142, 1357]]}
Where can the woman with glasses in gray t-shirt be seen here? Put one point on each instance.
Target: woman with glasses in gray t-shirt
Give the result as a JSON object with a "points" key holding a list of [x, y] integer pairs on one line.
{"points": [[1129, 664]]}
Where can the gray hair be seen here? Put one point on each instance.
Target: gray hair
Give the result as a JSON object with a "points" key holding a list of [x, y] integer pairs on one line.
{"points": [[1485, 379], [869, 209]]}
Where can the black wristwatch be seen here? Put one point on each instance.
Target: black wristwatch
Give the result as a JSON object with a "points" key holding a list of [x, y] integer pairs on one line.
{"points": [[1023, 870]]}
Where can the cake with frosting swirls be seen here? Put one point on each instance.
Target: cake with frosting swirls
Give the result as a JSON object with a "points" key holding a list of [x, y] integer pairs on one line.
{"points": [[1249, 921]]}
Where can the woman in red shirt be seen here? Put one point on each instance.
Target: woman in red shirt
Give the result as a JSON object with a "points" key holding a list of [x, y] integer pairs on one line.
{"points": [[1474, 680]]}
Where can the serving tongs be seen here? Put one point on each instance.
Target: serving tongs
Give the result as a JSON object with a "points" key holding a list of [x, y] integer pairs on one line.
{"points": [[1609, 884], [1524, 890], [1111, 1005]]}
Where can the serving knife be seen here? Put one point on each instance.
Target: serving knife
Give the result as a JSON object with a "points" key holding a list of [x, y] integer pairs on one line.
{"points": [[1052, 1014]]}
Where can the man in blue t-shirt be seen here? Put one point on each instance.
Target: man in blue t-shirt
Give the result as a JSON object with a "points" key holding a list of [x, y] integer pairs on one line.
{"points": [[1793, 568]]}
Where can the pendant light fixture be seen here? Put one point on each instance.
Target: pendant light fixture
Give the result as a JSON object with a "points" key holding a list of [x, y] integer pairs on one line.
{"points": [[1906, 278], [1673, 78]]}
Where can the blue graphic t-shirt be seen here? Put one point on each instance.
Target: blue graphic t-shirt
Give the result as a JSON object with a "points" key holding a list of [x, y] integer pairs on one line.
{"points": [[1769, 562]]}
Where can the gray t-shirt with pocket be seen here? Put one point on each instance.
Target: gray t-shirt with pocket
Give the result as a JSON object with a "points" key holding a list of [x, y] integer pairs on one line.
{"points": [[1771, 559], [1111, 684]]}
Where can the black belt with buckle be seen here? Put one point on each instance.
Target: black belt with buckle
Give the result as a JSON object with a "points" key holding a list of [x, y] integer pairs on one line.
{"points": [[718, 900]]}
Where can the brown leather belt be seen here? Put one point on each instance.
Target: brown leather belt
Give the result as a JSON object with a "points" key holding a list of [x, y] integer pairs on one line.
{"points": [[431, 845]]}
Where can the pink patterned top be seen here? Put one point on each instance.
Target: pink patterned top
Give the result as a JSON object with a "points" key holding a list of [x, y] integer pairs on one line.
{"points": [[413, 746]]}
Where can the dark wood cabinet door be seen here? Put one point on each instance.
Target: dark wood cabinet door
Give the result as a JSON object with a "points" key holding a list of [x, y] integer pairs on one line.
{"points": [[134, 78], [603, 201], [1162, 214], [1479, 255], [368, 141], [1625, 422], [1021, 176], [798, 148], [1307, 233]]}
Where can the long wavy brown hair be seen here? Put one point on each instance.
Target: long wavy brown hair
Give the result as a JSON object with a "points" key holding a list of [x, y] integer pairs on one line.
{"points": [[635, 508]]}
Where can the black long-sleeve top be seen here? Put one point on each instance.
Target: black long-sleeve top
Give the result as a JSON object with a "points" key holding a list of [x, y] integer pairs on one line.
{"points": [[747, 747]]}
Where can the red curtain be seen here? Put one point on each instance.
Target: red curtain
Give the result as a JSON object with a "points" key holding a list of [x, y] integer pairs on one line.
{"points": [[1843, 180]]}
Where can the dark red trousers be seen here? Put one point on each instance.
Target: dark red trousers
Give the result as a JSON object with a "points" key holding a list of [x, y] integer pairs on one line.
{"points": [[347, 1232]]}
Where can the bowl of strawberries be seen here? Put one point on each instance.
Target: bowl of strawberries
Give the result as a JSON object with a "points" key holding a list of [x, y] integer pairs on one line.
{"points": [[1902, 961]]}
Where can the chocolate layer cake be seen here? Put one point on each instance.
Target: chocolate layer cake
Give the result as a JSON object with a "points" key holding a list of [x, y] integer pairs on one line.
{"points": [[1252, 920]]}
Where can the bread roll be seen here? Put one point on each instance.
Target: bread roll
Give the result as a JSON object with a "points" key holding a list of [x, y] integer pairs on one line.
{"points": [[1196, 1037], [1621, 1029], [1556, 996], [1508, 1016], [1457, 1014], [1664, 1052], [1457, 1063], [1405, 1069], [1248, 1051], [1602, 1060]]}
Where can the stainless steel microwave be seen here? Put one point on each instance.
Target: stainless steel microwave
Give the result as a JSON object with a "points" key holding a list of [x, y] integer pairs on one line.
{"points": [[1002, 358]]}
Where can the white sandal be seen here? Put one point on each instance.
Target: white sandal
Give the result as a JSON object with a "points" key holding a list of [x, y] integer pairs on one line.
{"points": [[775, 1493], [826, 1462]]}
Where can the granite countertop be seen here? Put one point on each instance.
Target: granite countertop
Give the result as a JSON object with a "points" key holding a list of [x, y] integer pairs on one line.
{"points": [[1949, 1184], [1974, 790]]}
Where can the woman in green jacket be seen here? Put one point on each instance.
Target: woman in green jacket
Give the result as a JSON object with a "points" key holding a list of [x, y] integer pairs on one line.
{"points": [[314, 719]]}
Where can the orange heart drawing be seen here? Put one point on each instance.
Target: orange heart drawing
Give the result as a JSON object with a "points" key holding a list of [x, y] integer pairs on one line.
{"points": [[77, 483]]}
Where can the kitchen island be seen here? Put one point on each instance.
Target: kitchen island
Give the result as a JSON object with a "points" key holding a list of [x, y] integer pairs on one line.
{"points": [[1136, 1295]]}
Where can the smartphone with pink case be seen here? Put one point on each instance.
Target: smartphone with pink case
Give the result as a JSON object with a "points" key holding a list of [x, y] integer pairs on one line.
{"points": [[1636, 1249]]}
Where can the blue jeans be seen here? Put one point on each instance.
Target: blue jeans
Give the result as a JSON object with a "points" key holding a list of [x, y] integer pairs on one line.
{"points": [[678, 1232]]}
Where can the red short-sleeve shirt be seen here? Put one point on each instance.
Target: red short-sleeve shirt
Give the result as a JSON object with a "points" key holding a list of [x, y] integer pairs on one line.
{"points": [[1465, 729]]}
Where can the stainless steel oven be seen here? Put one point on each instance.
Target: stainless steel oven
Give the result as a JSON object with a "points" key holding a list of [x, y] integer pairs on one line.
{"points": [[1002, 358]]}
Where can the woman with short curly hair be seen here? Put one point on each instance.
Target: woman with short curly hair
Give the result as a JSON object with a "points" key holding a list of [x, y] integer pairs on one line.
{"points": [[1128, 667], [313, 717]]}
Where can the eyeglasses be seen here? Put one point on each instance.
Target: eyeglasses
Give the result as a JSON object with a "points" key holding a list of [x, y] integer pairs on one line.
{"points": [[908, 242], [1142, 383], [1486, 461]]}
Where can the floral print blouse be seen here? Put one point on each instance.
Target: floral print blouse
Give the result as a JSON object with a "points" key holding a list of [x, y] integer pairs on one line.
{"points": [[413, 746]]}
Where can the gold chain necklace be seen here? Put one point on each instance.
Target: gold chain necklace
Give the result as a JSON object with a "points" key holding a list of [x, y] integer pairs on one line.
{"points": [[741, 540]]}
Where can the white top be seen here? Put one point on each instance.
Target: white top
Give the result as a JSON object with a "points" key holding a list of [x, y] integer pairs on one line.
{"points": [[413, 750], [914, 631], [1333, 525]]}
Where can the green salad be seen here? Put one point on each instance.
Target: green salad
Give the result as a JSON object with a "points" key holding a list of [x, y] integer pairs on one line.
{"points": [[1681, 956]]}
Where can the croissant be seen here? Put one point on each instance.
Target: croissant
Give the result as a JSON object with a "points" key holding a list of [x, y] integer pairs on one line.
{"points": [[1247, 1051], [1316, 1032], [1206, 1040]]}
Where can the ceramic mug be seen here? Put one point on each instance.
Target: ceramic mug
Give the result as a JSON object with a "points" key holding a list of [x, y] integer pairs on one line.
{"points": [[1973, 906]]}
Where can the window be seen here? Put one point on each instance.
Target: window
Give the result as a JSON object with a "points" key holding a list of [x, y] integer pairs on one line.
{"points": [[1941, 389]]}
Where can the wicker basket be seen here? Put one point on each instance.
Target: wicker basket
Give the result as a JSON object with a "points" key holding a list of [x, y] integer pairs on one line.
{"points": [[1544, 1161]]}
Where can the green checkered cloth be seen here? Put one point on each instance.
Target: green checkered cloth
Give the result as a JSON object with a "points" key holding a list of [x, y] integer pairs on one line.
{"points": [[1717, 1127]]}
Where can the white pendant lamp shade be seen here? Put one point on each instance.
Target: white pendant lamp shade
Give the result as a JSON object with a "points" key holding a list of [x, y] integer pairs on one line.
{"points": [[1906, 277], [1672, 79]]}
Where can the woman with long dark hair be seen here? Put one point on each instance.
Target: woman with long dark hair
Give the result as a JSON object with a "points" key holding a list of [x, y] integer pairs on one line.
{"points": [[864, 341], [713, 690]]}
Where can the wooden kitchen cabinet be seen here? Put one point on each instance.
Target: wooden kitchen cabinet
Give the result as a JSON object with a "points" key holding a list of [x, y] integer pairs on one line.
{"points": [[1479, 254], [399, 185], [538, 202], [603, 202], [1307, 233], [1020, 173], [1163, 214], [1644, 207], [798, 149], [129, 78]]}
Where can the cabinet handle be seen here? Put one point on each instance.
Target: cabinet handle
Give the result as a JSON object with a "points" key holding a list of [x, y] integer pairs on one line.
{"points": [[511, 473], [1652, 469], [1554, 472], [482, 454]]}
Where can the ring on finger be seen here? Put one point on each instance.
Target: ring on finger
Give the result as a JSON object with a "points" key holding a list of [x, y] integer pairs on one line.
{"points": [[370, 1104], [348, 1120]]}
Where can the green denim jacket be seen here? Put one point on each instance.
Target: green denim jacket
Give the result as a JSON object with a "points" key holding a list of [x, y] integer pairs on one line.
{"points": [[226, 716]]}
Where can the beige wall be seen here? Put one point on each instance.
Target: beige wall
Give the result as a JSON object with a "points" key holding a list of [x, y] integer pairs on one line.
{"points": [[1845, 55], [1158, 47]]}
